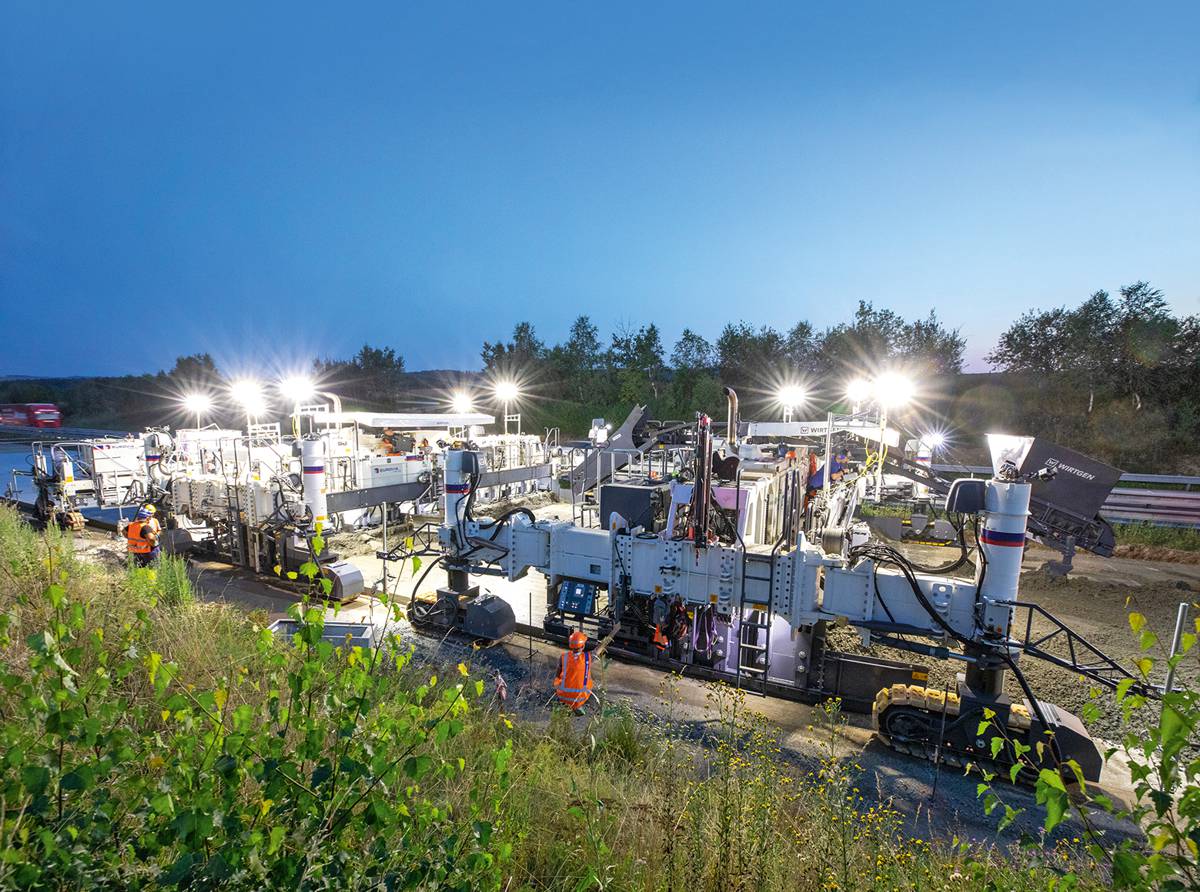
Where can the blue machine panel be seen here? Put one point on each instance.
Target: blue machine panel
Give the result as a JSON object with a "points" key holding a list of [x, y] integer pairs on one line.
{"points": [[576, 597]]}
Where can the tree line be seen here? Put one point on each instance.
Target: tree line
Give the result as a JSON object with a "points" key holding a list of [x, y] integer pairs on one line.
{"points": [[374, 378], [585, 376], [1116, 376]]}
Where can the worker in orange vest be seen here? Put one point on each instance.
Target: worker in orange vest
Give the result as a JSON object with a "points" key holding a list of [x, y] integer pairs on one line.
{"points": [[142, 535], [573, 683]]}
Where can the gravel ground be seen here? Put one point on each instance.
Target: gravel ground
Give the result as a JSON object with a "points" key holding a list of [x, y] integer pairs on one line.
{"points": [[1094, 601]]}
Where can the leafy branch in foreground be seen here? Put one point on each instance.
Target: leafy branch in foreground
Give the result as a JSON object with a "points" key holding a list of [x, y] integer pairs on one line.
{"points": [[305, 766], [1164, 766]]}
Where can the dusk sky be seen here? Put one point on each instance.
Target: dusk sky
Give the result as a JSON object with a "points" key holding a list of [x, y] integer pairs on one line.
{"points": [[271, 182]]}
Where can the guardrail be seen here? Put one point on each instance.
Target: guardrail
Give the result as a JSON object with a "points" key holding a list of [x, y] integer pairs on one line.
{"points": [[1161, 507], [12, 432]]}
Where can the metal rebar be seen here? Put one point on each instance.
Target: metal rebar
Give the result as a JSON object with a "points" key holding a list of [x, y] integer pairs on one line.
{"points": [[1180, 619]]}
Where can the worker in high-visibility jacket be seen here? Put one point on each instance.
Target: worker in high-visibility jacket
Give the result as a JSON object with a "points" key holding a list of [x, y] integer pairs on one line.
{"points": [[573, 683], [142, 535]]}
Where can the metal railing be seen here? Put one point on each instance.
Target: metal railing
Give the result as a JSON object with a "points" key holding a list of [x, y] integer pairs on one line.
{"points": [[1160, 507]]}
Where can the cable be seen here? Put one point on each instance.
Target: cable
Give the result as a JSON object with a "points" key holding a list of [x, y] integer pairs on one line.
{"points": [[963, 556], [983, 561], [887, 555], [879, 598], [412, 598]]}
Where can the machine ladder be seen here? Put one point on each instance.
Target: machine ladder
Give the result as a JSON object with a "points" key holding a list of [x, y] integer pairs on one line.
{"points": [[234, 525], [754, 635]]}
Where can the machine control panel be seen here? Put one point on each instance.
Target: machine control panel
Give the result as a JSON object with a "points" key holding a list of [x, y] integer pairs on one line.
{"points": [[575, 596]]}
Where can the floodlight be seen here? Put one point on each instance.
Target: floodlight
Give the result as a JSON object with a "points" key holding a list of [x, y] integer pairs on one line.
{"points": [[791, 396], [934, 440], [893, 390], [249, 396], [461, 403], [858, 390], [197, 403], [297, 389], [507, 391]]}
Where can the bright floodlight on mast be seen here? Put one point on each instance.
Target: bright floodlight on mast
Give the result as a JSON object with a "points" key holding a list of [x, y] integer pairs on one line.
{"points": [[893, 390], [248, 394], [297, 389], [858, 391], [507, 393], [890, 390], [197, 404], [461, 403], [790, 397]]}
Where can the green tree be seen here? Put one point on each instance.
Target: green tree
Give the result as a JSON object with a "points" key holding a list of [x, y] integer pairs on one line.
{"points": [[195, 367], [693, 360], [578, 359], [374, 375], [637, 359], [749, 357], [518, 355], [1143, 336], [926, 344], [802, 348], [693, 353], [868, 342]]}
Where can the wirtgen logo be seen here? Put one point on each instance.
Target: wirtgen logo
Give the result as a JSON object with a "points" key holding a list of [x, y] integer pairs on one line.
{"points": [[1070, 469]]}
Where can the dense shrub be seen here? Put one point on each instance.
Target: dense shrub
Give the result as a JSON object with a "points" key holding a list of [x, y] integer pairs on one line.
{"points": [[289, 766]]}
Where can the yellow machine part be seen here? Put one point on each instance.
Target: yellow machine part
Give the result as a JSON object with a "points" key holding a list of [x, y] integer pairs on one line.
{"points": [[936, 701]]}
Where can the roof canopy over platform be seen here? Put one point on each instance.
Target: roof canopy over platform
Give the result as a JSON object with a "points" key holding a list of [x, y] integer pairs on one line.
{"points": [[403, 420]]}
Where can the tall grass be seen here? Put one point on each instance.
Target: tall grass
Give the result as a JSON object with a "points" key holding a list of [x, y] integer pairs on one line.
{"points": [[618, 802], [612, 801], [1180, 538]]}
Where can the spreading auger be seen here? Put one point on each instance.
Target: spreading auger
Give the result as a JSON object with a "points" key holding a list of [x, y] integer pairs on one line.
{"points": [[697, 595]]}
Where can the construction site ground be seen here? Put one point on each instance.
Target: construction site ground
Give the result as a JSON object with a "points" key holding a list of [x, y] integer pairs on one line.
{"points": [[1095, 600]]}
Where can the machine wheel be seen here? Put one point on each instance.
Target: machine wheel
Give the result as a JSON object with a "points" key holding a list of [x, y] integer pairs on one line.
{"points": [[914, 720], [909, 725]]}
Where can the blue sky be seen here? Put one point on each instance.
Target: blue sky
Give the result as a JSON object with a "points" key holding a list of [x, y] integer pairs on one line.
{"points": [[269, 182]]}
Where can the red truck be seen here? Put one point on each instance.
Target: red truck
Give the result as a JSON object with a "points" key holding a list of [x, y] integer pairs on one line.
{"points": [[30, 415]]}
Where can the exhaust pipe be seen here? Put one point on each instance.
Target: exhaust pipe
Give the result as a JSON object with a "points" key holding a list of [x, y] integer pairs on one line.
{"points": [[732, 418]]}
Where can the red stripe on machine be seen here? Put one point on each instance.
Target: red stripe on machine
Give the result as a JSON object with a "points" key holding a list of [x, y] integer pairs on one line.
{"points": [[1007, 540]]}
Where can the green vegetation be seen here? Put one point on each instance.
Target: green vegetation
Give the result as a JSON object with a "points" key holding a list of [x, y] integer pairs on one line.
{"points": [[151, 741], [570, 383], [1116, 377], [374, 376], [1179, 538], [1158, 745]]}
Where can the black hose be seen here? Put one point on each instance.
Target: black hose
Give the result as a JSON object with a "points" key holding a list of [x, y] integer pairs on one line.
{"points": [[416, 585], [499, 522], [886, 555]]}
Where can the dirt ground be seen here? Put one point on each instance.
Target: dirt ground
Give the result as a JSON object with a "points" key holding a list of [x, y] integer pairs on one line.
{"points": [[1158, 553]]}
